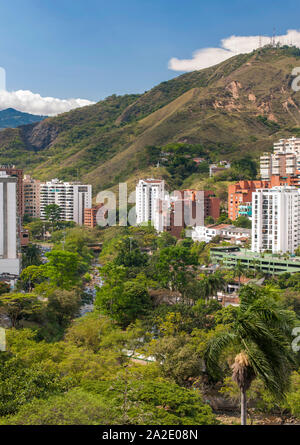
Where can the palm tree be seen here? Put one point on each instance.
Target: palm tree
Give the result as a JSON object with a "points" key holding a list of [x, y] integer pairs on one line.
{"points": [[255, 267], [217, 281], [210, 284], [239, 270], [261, 337]]}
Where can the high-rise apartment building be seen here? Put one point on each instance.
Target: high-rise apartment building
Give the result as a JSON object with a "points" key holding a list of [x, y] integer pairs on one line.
{"points": [[9, 233], [90, 215], [11, 170], [279, 164], [71, 197], [240, 194], [31, 192], [186, 208], [148, 191], [211, 204], [284, 161], [174, 213], [289, 145], [276, 219]]}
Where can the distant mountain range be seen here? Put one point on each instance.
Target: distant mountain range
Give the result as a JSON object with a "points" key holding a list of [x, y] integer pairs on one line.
{"points": [[236, 108], [11, 118]]}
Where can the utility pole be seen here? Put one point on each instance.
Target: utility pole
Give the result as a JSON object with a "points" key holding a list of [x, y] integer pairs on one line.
{"points": [[274, 36], [64, 240]]}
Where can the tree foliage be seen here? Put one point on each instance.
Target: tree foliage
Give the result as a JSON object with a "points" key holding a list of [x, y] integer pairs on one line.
{"points": [[261, 336]]}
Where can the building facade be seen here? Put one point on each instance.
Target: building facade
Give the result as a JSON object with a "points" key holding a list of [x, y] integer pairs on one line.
{"points": [[148, 191], [72, 198], [178, 212], [288, 145], [90, 215], [217, 168], [31, 192], [226, 231], [275, 219], [9, 227], [185, 208], [245, 209], [279, 164], [11, 170], [284, 161], [270, 264], [211, 204], [241, 194]]}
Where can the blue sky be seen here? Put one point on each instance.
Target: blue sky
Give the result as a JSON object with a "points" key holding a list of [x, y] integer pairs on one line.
{"points": [[93, 48]]}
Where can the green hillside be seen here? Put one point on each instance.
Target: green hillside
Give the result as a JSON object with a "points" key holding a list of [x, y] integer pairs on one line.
{"points": [[235, 108]]}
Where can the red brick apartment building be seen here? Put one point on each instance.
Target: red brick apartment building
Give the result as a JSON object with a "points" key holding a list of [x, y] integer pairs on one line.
{"points": [[211, 202], [90, 216], [211, 205], [188, 206], [241, 192]]}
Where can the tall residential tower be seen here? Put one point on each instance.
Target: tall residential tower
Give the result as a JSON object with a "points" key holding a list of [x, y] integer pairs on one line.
{"points": [[9, 233], [71, 197], [148, 191], [276, 219]]}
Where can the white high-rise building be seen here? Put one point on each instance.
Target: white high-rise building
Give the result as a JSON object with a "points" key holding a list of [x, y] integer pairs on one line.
{"points": [[276, 219], [284, 161], [148, 191], [71, 197], [9, 233], [290, 145]]}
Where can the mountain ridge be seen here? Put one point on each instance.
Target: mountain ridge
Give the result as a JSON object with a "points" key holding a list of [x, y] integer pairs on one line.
{"points": [[12, 118], [236, 108]]}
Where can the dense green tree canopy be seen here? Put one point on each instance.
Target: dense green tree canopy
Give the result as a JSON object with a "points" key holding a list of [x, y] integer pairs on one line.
{"points": [[52, 213]]}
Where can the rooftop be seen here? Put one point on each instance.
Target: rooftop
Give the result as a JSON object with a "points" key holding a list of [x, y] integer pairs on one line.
{"points": [[237, 251], [229, 227]]}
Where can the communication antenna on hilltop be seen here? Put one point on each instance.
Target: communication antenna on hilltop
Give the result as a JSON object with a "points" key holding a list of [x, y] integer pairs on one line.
{"points": [[274, 36], [259, 42]]}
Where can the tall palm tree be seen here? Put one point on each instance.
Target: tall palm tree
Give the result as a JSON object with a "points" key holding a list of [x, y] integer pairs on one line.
{"points": [[239, 270], [210, 284], [255, 267], [261, 337]]}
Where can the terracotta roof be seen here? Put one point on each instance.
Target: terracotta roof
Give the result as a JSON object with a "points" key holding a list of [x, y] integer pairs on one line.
{"points": [[220, 226], [244, 280]]}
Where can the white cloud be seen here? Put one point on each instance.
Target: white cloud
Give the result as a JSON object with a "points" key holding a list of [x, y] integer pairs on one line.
{"points": [[28, 102], [203, 58]]}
